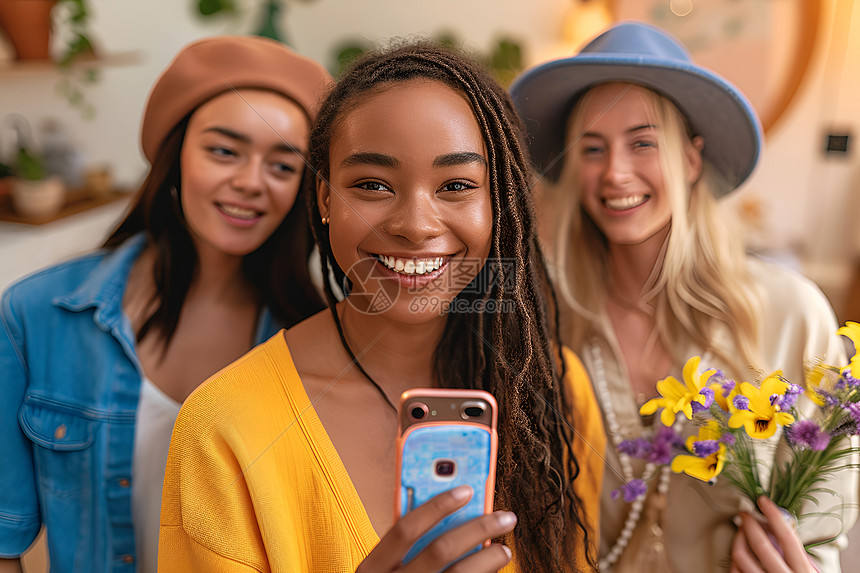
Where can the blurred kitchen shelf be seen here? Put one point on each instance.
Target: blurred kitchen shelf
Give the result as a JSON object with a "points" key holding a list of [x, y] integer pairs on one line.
{"points": [[77, 201], [11, 68]]}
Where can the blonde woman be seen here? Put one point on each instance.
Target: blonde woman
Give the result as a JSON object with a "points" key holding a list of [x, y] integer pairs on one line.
{"points": [[637, 143]]}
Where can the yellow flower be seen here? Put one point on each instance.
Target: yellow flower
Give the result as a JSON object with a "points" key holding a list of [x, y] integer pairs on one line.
{"points": [[676, 397], [761, 418], [852, 331], [708, 467]]}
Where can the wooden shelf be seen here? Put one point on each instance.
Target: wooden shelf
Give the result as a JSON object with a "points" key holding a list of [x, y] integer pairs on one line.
{"points": [[77, 201], [10, 68]]}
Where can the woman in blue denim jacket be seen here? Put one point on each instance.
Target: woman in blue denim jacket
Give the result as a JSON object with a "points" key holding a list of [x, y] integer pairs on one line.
{"points": [[98, 353]]}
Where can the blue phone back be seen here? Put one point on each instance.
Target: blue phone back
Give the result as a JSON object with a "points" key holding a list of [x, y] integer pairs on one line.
{"points": [[469, 446]]}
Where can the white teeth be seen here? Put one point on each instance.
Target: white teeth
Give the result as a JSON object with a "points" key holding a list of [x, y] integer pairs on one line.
{"points": [[238, 212], [621, 203], [411, 266]]}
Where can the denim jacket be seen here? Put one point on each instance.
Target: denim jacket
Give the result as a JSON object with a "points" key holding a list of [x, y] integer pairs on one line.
{"points": [[69, 387]]}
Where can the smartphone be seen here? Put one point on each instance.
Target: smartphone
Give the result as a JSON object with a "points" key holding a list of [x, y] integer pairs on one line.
{"points": [[447, 438]]}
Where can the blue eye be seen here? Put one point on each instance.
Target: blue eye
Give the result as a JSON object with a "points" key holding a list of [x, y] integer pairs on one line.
{"points": [[645, 145]]}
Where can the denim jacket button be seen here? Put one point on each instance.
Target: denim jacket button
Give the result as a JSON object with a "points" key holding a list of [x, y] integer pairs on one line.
{"points": [[128, 558], [124, 483], [60, 432]]}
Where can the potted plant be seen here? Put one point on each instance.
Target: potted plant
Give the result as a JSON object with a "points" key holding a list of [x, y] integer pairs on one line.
{"points": [[28, 26], [35, 195]]}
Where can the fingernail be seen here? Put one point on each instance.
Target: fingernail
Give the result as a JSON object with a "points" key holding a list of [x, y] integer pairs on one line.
{"points": [[507, 550], [788, 517], [462, 492], [507, 519]]}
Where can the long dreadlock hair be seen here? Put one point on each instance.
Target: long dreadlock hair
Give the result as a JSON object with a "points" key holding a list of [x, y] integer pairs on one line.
{"points": [[509, 354], [278, 268]]}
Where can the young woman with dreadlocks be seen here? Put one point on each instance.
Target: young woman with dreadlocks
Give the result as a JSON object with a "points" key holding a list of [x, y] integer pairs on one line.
{"points": [[286, 460]]}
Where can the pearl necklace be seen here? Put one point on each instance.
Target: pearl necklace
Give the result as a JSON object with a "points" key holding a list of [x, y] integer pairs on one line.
{"points": [[599, 378]]}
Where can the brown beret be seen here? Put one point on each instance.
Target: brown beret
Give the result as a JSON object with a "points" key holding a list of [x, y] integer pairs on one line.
{"points": [[214, 65]]}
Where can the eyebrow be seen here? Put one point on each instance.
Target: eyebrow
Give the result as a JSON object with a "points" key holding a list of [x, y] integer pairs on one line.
{"points": [[640, 127], [462, 158], [282, 146], [628, 131], [382, 160], [367, 158]]}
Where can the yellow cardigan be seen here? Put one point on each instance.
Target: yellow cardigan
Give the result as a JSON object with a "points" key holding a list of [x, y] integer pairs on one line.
{"points": [[253, 482]]}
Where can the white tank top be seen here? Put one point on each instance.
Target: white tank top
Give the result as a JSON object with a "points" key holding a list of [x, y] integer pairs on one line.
{"points": [[156, 414]]}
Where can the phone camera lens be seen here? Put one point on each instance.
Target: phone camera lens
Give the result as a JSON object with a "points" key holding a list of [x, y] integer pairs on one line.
{"points": [[418, 411], [445, 468], [474, 412]]}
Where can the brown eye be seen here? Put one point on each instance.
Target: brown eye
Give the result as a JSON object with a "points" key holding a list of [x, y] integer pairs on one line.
{"points": [[373, 186]]}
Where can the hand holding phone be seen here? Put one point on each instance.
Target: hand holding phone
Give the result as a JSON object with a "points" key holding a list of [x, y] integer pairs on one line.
{"points": [[447, 439], [388, 555]]}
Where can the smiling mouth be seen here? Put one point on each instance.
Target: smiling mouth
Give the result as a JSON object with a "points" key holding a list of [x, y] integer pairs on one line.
{"points": [[624, 203], [411, 266], [239, 212]]}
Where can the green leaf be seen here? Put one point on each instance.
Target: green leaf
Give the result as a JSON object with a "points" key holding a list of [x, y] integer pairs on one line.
{"points": [[211, 7], [29, 165]]}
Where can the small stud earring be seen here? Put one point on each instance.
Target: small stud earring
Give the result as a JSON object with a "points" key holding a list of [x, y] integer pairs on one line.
{"points": [[325, 221]]}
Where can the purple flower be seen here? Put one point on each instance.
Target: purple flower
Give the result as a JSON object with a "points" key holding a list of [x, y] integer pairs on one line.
{"points": [[708, 395], [807, 434], [728, 440], [633, 489], [846, 380], [665, 445], [854, 409], [705, 448], [661, 453], [638, 448], [727, 384], [741, 402], [829, 399], [786, 401]]}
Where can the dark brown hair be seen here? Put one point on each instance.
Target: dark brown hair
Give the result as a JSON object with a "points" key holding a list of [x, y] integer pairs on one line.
{"points": [[277, 269], [509, 354]]}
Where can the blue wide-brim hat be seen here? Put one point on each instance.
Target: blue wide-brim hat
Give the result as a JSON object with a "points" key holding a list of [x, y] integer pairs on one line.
{"points": [[641, 54]]}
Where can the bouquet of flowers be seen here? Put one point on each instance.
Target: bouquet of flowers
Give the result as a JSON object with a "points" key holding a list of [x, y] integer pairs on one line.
{"points": [[734, 418]]}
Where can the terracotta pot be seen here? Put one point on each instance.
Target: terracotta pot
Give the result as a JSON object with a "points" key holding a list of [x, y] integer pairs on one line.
{"points": [[27, 25]]}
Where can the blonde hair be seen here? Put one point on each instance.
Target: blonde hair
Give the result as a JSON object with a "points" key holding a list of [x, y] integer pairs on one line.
{"points": [[699, 283]]}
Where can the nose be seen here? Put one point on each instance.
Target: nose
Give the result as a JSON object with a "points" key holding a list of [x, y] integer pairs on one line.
{"points": [[416, 217], [248, 177], [619, 167]]}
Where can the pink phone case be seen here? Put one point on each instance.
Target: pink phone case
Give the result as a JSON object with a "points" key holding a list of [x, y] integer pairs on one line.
{"points": [[444, 448]]}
